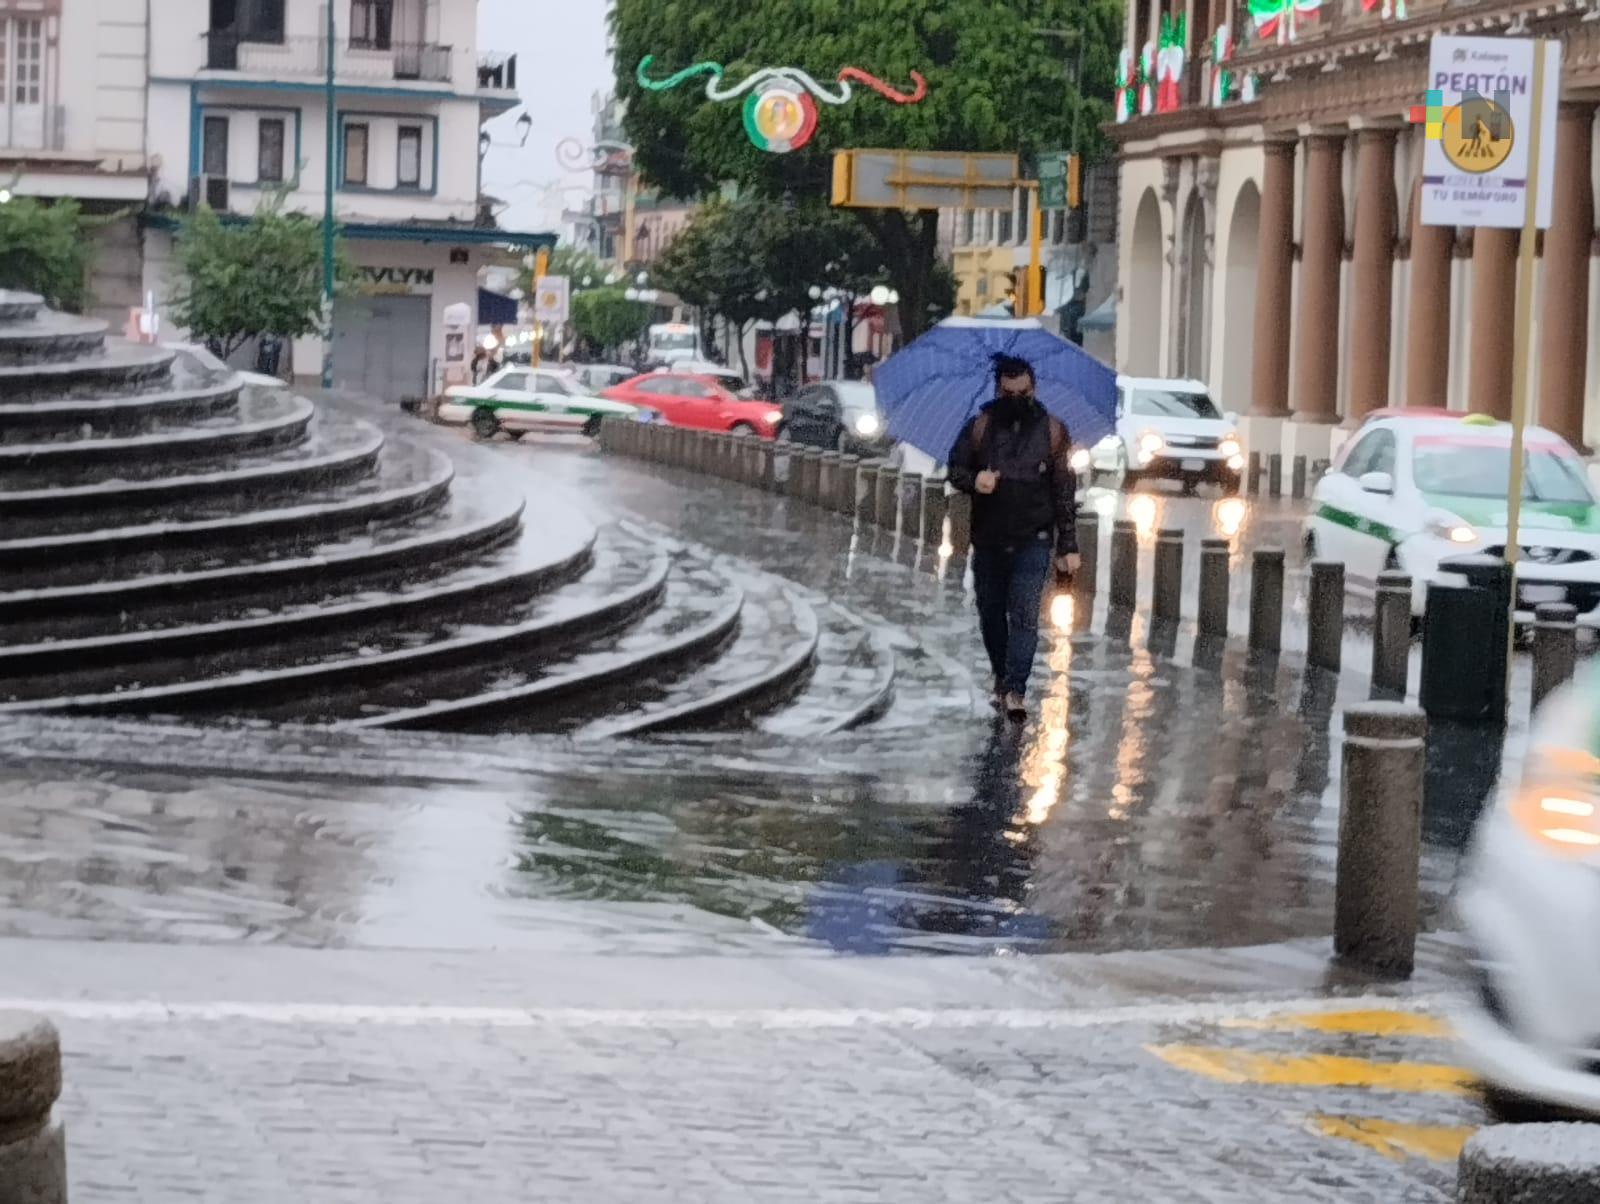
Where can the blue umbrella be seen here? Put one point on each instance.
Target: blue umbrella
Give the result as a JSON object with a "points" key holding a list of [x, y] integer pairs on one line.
{"points": [[930, 389]]}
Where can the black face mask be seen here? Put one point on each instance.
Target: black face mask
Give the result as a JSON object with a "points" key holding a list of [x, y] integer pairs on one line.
{"points": [[1013, 405]]}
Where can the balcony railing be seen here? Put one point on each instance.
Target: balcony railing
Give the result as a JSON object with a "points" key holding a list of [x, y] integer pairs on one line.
{"points": [[497, 72], [33, 130], [366, 61]]}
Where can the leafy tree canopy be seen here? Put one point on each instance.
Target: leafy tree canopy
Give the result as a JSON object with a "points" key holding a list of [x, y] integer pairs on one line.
{"points": [[259, 277], [605, 318], [44, 249], [577, 264]]}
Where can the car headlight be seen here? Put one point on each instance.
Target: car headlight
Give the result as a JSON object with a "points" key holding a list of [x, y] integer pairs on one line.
{"points": [[868, 425], [1150, 443], [1080, 460], [1230, 447], [774, 417], [1445, 525]]}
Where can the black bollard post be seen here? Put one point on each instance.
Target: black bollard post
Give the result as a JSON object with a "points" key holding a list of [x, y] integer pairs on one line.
{"points": [[1167, 576], [1275, 474], [933, 512], [1253, 477], [827, 479], [1297, 478], [888, 506], [867, 487], [1391, 636], [1214, 557], [911, 505], [845, 494], [1325, 640], [1380, 837], [33, 1144], [1124, 564], [1266, 600], [1088, 579], [960, 510], [1555, 647]]}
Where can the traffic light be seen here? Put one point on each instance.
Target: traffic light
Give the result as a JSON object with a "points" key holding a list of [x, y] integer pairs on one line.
{"points": [[1074, 181], [541, 263]]}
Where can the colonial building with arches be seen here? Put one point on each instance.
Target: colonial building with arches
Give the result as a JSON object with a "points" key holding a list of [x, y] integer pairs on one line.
{"points": [[1270, 235]]}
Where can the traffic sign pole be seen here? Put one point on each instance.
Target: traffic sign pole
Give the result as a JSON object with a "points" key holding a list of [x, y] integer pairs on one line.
{"points": [[1036, 255]]}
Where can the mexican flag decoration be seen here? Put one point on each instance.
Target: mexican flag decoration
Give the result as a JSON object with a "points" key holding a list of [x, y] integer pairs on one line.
{"points": [[1169, 63], [1277, 18], [1147, 76], [1392, 10], [1125, 89], [1221, 77]]}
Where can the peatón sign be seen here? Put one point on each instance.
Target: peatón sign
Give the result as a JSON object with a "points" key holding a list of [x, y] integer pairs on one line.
{"points": [[1475, 162]]}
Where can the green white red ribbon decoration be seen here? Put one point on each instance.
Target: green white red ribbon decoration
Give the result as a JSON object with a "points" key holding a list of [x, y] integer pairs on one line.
{"points": [[1147, 76], [1221, 55], [780, 114], [1124, 87], [1169, 62], [1393, 10], [1277, 18]]}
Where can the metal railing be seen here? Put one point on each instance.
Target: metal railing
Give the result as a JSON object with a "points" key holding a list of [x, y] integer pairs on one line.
{"points": [[497, 72], [360, 59]]}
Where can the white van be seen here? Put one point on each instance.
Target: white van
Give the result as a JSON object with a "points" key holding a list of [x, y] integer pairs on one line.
{"points": [[1172, 430]]}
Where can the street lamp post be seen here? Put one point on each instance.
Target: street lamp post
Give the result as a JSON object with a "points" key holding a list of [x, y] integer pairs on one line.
{"points": [[327, 211]]}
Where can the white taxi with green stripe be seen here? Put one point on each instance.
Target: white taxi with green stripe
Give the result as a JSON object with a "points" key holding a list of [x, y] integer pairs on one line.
{"points": [[1410, 490], [518, 399]]}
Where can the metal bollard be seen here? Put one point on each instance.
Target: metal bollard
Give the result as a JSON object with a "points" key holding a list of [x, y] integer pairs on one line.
{"points": [[1391, 636], [811, 475], [845, 494], [1124, 564], [1325, 641], [1167, 576], [933, 512], [1380, 837], [1555, 647], [867, 492], [959, 507], [1088, 579], [827, 479], [750, 463], [888, 503], [1319, 469], [1215, 555], [699, 450], [1253, 476], [910, 502], [1297, 478], [1266, 600], [33, 1144], [768, 479], [1275, 475]]}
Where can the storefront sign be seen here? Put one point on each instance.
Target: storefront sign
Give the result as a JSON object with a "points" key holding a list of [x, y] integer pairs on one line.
{"points": [[1479, 114], [396, 281]]}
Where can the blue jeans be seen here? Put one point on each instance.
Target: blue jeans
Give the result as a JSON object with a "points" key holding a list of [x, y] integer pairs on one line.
{"points": [[1010, 587]]}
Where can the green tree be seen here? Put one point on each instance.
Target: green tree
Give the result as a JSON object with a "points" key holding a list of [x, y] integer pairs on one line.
{"points": [[577, 264], [44, 249], [606, 319], [995, 83], [239, 281]]}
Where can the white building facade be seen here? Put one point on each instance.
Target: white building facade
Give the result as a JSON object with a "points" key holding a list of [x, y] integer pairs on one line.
{"points": [[238, 113]]}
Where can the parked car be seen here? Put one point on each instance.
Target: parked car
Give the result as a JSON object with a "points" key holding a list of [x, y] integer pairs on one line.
{"points": [[1530, 906], [1169, 429], [840, 415], [728, 378], [1413, 488], [518, 400], [602, 376], [700, 402]]}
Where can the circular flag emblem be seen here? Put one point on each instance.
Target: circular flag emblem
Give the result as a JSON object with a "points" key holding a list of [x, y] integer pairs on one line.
{"points": [[779, 118], [1477, 135]]}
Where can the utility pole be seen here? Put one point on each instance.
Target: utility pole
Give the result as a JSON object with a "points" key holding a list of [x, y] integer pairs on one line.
{"points": [[327, 212]]}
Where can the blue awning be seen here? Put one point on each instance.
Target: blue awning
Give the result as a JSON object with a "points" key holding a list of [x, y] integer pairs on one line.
{"points": [[496, 309]]}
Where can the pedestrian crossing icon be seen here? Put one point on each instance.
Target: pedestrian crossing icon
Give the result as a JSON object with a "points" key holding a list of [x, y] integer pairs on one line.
{"points": [[1477, 135]]}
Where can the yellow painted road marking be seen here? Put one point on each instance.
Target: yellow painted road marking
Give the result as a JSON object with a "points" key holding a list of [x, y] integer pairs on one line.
{"points": [[1441, 1143], [1369, 1023], [1313, 1070]]}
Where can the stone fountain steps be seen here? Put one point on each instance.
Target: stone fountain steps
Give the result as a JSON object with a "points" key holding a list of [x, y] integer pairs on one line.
{"points": [[123, 368], [50, 338], [261, 422], [469, 524], [320, 679], [489, 584], [411, 480], [852, 682], [698, 613], [335, 452], [19, 306], [191, 399]]}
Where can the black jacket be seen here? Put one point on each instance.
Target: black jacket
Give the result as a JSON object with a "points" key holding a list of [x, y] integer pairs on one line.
{"points": [[1038, 490]]}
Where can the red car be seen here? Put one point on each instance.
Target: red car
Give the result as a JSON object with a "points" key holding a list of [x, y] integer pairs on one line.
{"points": [[699, 402]]}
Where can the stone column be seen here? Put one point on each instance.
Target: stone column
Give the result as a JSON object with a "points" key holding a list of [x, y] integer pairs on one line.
{"points": [[1376, 226], [1564, 324], [1316, 384], [1274, 274], [1494, 307], [1428, 315]]}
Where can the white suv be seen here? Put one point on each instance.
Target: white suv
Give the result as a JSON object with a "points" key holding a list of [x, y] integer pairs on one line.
{"points": [[1169, 429]]}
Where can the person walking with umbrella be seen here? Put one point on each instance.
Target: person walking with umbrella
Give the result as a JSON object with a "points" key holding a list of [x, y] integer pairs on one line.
{"points": [[1015, 460]]}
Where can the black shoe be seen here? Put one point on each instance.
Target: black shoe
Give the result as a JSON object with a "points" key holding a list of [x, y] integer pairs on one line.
{"points": [[1016, 707]]}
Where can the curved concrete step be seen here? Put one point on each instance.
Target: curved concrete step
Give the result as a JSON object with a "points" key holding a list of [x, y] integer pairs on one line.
{"points": [[17, 306], [194, 396], [465, 526], [314, 680], [852, 682], [698, 611], [334, 452], [262, 420], [50, 338], [769, 659], [410, 481], [120, 368], [61, 649]]}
